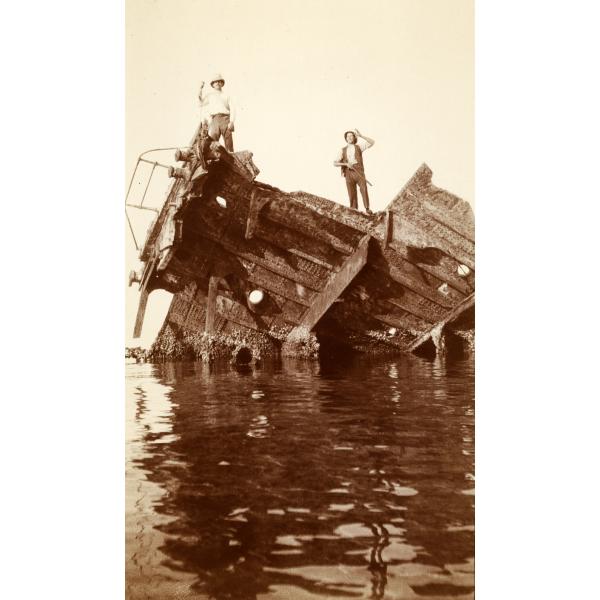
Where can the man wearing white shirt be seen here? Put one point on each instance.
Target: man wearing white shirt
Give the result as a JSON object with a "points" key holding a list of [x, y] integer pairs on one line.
{"points": [[218, 111], [350, 159]]}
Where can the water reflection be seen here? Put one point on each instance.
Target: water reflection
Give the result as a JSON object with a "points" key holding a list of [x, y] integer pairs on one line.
{"points": [[149, 414], [300, 480]]}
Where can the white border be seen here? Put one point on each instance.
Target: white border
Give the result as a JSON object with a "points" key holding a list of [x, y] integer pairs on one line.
{"points": [[63, 278], [537, 394]]}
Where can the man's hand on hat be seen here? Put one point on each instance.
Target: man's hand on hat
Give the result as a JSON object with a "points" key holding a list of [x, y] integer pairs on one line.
{"points": [[357, 132]]}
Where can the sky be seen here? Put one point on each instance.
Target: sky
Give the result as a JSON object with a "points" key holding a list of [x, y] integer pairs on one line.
{"points": [[301, 73]]}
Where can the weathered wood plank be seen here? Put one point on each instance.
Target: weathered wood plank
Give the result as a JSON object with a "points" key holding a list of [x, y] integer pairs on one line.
{"points": [[436, 228], [337, 284], [146, 286], [388, 228], [211, 303], [414, 234], [301, 243], [274, 263], [256, 204], [423, 204], [231, 310], [283, 209], [462, 307], [141, 311], [406, 322], [445, 270], [371, 289], [420, 189], [413, 309], [413, 284], [280, 240], [415, 279], [231, 233], [339, 213], [263, 278], [444, 218]]}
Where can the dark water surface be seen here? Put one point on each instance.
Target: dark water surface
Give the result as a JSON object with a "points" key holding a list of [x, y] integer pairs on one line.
{"points": [[301, 480]]}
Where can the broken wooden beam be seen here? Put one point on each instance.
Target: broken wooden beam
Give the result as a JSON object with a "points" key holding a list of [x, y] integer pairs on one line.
{"points": [[435, 332], [141, 311], [337, 283], [211, 303], [256, 203]]}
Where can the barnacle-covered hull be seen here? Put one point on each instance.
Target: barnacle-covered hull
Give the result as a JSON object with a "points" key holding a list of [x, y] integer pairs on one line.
{"points": [[255, 269]]}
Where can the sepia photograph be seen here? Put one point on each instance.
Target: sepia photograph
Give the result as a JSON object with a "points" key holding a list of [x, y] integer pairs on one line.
{"points": [[270, 208], [300, 332]]}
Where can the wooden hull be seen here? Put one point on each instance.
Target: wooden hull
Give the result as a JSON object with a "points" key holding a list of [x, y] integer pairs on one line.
{"points": [[383, 283]]}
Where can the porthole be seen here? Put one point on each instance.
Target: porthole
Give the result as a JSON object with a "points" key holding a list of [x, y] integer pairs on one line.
{"points": [[255, 297]]}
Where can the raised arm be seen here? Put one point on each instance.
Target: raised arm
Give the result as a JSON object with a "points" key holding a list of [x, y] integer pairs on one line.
{"points": [[369, 140]]}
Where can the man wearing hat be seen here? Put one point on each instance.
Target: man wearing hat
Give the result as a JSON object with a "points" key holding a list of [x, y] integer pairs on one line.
{"points": [[351, 161], [218, 111]]}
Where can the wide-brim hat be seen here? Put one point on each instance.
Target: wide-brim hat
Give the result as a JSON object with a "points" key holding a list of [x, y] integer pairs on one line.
{"points": [[217, 77]]}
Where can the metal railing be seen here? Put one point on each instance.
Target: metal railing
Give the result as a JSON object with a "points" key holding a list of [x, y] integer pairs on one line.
{"points": [[141, 206]]}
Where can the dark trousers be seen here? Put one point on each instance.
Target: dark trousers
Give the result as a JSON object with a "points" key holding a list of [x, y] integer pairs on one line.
{"points": [[352, 180], [219, 127]]}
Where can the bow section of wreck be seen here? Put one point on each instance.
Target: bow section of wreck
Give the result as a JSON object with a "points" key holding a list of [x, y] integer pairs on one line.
{"points": [[256, 271]]}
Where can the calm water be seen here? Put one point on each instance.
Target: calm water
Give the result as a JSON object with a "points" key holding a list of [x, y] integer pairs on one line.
{"points": [[300, 480]]}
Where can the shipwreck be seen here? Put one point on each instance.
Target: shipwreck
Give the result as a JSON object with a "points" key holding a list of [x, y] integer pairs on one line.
{"points": [[256, 271]]}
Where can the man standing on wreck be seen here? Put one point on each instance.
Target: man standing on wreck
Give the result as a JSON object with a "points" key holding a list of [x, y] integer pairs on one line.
{"points": [[351, 161], [218, 111]]}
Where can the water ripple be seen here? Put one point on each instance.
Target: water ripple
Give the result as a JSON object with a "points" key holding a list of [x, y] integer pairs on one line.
{"points": [[297, 480]]}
